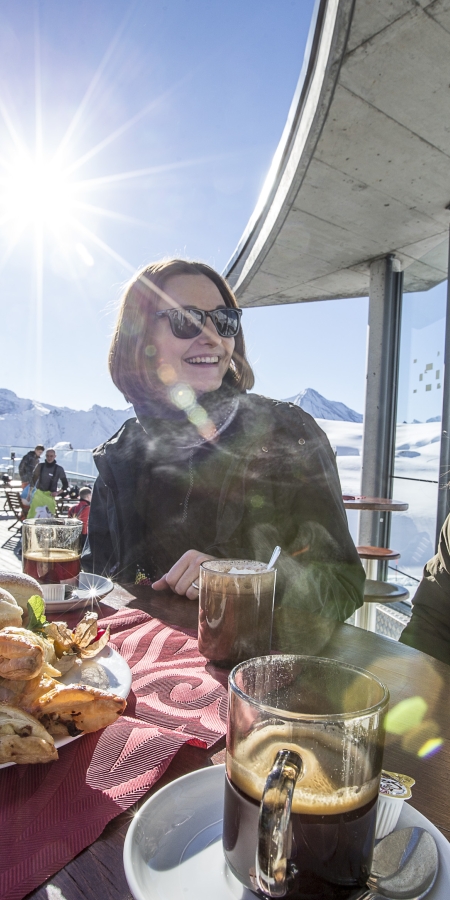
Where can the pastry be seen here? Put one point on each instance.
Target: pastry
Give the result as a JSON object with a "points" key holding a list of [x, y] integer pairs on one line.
{"points": [[76, 708], [23, 739], [10, 611], [23, 654], [21, 586]]}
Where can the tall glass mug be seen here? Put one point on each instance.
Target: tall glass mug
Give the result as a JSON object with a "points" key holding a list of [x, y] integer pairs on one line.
{"points": [[51, 549], [304, 755], [235, 610]]}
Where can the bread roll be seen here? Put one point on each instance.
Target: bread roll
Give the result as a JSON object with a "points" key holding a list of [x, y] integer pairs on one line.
{"points": [[10, 611], [21, 586]]}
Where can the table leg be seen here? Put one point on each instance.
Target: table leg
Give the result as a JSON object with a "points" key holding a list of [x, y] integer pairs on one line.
{"points": [[366, 615]]}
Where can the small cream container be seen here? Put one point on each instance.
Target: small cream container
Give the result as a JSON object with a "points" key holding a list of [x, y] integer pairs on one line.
{"points": [[394, 789], [53, 592]]}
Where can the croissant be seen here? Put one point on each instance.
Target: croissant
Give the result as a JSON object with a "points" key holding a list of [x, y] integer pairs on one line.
{"points": [[24, 694], [71, 709], [23, 655], [23, 739]]}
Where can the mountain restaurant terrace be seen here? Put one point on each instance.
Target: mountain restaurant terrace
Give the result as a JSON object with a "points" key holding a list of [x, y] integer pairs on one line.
{"points": [[357, 203]]}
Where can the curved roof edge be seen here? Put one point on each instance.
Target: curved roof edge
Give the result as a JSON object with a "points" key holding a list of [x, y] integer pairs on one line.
{"points": [[313, 233], [329, 26]]}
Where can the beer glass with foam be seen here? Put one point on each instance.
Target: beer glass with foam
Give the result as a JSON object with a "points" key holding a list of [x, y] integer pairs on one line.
{"points": [[51, 550], [304, 756]]}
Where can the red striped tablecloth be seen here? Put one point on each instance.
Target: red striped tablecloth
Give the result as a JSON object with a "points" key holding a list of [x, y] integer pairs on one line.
{"points": [[49, 813]]}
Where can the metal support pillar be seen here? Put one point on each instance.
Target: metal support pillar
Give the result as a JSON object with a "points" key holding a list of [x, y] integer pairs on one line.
{"points": [[443, 507], [385, 303]]}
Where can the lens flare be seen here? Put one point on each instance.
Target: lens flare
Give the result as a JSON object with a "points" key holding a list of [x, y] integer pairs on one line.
{"points": [[430, 747], [406, 715], [183, 396]]}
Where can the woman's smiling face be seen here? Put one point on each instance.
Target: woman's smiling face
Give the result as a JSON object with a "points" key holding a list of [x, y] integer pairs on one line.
{"points": [[200, 362]]}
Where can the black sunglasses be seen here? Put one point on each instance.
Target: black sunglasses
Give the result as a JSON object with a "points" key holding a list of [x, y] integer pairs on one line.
{"points": [[188, 322]]}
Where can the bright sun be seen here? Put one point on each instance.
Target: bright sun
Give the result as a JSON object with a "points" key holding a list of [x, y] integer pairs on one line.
{"points": [[36, 192], [45, 193]]}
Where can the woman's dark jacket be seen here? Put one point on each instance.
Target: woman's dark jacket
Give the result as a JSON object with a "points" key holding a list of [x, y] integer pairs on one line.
{"points": [[429, 627], [269, 478]]}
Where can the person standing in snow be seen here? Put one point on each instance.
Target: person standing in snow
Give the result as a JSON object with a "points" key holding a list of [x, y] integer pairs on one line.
{"points": [[48, 474], [28, 464]]}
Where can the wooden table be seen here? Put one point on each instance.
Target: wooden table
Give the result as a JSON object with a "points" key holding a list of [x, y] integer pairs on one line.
{"points": [[98, 870], [381, 504]]}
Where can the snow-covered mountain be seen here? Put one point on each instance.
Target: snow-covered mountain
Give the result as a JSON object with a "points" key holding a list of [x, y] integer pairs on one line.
{"points": [[321, 408], [25, 423]]}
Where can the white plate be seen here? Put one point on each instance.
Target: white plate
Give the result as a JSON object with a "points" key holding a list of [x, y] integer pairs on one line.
{"points": [[173, 847], [119, 677], [88, 587]]}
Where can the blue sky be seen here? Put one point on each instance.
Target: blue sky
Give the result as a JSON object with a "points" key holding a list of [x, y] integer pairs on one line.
{"points": [[191, 94]]}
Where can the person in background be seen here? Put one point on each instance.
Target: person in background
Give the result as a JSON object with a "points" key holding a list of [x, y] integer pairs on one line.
{"points": [[81, 511], [28, 464], [429, 627], [47, 474], [206, 469]]}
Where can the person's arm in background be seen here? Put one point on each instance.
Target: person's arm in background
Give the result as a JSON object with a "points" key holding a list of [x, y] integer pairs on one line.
{"points": [[286, 479], [101, 550], [429, 627], [319, 567], [24, 469], [63, 478], [36, 474]]}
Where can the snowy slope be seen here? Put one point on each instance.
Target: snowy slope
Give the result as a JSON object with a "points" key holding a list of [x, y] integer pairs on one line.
{"points": [[25, 423]]}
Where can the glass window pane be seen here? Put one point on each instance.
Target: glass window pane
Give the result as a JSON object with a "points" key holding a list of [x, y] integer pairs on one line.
{"points": [[418, 433], [413, 531]]}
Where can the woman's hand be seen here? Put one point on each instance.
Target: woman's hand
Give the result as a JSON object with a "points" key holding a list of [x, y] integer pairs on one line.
{"points": [[180, 577]]}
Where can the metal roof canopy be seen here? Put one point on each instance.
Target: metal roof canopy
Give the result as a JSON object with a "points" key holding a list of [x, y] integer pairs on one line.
{"points": [[362, 169]]}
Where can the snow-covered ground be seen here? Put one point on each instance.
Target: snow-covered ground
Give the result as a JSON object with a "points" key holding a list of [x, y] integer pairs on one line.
{"points": [[416, 457]]}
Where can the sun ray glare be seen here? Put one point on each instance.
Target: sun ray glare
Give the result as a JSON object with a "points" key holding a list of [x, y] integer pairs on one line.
{"points": [[12, 131], [43, 193], [6, 164], [9, 250], [36, 190], [72, 271], [39, 295], [95, 81], [151, 170], [37, 83], [112, 137], [109, 214], [84, 255], [103, 246]]}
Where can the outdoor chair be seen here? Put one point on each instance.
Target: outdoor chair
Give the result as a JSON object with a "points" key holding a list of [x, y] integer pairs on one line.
{"points": [[13, 504]]}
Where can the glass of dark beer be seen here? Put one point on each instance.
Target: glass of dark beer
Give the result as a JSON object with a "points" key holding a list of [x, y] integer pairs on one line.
{"points": [[305, 745], [51, 550], [235, 610]]}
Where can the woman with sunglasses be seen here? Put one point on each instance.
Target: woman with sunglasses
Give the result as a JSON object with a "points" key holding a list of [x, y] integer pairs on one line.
{"points": [[207, 469]]}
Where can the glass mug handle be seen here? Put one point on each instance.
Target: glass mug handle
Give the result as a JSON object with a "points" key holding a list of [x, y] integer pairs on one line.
{"points": [[272, 865]]}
